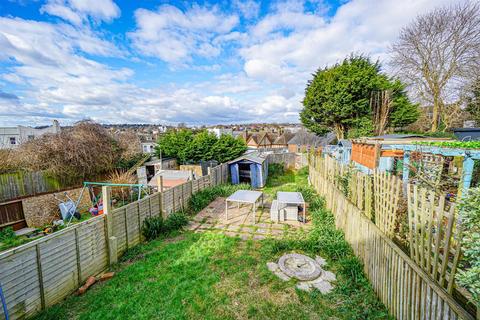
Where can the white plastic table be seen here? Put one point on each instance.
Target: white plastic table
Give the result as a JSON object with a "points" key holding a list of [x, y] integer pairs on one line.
{"points": [[244, 196], [292, 198]]}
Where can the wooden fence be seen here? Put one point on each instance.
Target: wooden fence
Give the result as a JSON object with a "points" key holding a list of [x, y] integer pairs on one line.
{"points": [[401, 284], [43, 272], [21, 184]]}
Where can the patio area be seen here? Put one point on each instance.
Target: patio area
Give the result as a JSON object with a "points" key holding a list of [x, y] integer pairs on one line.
{"points": [[240, 221]]}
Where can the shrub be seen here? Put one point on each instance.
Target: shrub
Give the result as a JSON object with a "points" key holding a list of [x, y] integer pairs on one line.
{"points": [[119, 177], [469, 211], [276, 169], [153, 227], [175, 221], [7, 234], [85, 150]]}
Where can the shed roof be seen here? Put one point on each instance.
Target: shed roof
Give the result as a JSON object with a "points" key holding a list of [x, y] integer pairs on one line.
{"points": [[345, 143], [398, 136], [167, 175], [253, 157]]}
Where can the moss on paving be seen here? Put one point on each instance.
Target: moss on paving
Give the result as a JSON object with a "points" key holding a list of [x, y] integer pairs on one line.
{"points": [[212, 276]]}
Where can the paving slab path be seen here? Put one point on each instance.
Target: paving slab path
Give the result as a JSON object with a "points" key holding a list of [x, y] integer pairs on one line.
{"points": [[239, 223]]}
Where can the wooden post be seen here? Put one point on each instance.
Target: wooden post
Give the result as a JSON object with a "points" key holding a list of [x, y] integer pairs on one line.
{"points": [[107, 211], [173, 200], [183, 199], [160, 183], [112, 250], [79, 266], [107, 206], [191, 183], [40, 277], [209, 170], [406, 170]]}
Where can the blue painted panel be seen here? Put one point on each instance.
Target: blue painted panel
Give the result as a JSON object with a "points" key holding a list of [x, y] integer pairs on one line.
{"points": [[235, 173], [444, 151], [468, 165], [254, 176], [265, 176], [385, 164]]}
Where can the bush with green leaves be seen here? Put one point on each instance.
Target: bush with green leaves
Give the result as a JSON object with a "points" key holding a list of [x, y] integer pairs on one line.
{"points": [[8, 239], [175, 221], [276, 169], [154, 227], [189, 147], [338, 99], [469, 274], [451, 144], [7, 234]]}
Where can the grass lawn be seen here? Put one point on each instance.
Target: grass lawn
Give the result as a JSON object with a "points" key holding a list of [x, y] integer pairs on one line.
{"points": [[212, 276]]}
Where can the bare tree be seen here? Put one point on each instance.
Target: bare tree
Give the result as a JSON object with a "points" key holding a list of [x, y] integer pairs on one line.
{"points": [[382, 105], [438, 53]]}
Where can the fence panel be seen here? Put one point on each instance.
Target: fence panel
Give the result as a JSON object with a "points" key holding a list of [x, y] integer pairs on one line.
{"points": [[401, 284], [434, 235], [386, 198], [119, 229], [92, 248], [45, 271], [132, 224], [59, 263], [20, 278], [155, 201]]}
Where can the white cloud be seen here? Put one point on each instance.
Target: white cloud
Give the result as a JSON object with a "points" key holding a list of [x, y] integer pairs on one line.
{"points": [[274, 57], [361, 26], [175, 36], [77, 11]]}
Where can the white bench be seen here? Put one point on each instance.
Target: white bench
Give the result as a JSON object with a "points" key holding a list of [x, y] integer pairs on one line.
{"points": [[281, 212]]}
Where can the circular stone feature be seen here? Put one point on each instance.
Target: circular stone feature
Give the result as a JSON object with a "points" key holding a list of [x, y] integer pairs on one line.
{"points": [[299, 266]]}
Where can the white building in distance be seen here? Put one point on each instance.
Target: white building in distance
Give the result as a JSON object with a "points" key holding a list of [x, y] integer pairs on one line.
{"points": [[12, 137], [219, 131]]}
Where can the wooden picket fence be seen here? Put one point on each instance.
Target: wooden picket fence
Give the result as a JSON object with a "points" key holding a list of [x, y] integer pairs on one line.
{"points": [[434, 235], [411, 288], [386, 198], [45, 271]]}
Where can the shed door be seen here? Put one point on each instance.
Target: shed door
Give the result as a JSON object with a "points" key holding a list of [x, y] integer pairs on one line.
{"points": [[235, 173], [254, 176], [11, 215]]}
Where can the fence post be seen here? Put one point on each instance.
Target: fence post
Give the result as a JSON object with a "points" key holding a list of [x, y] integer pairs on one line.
{"points": [[107, 211], [406, 170], [40, 277]]}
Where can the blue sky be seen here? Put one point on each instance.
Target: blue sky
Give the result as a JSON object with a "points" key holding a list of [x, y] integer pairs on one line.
{"points": [[202, 62]]}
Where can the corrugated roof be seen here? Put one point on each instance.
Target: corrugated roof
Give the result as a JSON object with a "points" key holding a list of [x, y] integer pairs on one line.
{"points": [[346, 143], [253, 156], [398, 136], [170, 175]]}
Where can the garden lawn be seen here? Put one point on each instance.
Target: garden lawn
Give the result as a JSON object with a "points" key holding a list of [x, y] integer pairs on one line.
{"points": [[212, 276]]}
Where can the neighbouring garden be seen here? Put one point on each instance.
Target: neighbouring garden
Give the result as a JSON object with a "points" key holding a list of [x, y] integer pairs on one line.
{"points": [[187, 275]]}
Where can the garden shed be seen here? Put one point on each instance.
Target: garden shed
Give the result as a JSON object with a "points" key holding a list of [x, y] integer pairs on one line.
{"points": [[250, 168]]}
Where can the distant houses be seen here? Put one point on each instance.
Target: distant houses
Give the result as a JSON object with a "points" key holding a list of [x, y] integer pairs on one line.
{"points": [[219, 131], [299, 141], [12, 137], [304, 141]]}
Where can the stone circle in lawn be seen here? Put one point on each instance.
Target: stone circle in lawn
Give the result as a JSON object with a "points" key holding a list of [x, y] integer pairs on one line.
{"points": [[305, 269], [299, 266]]}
